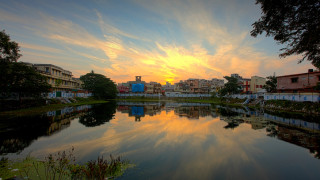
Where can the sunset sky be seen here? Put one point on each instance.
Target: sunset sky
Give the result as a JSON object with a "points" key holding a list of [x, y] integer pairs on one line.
{"points": [[160, 40]]}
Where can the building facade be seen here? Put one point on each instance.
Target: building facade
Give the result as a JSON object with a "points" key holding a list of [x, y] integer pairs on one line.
{"points": [[246, 83], [298, 83], [257, 84], [58, 78], [168, 87]]}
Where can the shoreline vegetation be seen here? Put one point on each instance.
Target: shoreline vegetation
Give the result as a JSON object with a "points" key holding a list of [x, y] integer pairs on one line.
{"points": [[62, 165], [283, 106]]}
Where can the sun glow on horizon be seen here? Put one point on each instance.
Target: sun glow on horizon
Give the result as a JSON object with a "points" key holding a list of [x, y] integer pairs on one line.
{"points": [[162, 41]]}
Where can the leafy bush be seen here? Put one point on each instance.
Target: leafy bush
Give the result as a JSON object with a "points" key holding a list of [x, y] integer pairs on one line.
{"points": [[62, 166]]}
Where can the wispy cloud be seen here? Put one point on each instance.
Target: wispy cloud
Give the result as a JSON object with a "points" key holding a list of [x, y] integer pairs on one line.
{"points": [[189, 39]]}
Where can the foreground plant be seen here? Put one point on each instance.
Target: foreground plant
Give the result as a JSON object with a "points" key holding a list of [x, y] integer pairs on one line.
{"points": [[62, 166]]}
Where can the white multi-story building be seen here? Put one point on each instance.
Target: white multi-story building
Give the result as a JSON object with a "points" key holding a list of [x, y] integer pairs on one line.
{"points": [[58, 78]]}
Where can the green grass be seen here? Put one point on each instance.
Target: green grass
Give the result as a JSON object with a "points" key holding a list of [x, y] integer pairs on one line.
{"points": [[46, 108], [143, 99]]}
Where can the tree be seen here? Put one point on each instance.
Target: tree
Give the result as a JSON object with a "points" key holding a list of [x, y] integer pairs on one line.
{"points": [[9, 50], [17, 77], [295, 23], [24, 80], [271, 84], [99, 85], [58, 82], [231, 87]]}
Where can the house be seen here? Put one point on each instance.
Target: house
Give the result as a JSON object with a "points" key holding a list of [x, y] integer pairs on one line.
{"points": [[182, 87], [168, 87], [123, 88], [153, 88], [257, 83], [297, 83], [194, 85]]}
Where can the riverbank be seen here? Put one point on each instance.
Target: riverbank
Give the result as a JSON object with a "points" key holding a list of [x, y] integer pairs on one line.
{"points": [[53, 106], [292, 107], [285, 106]]}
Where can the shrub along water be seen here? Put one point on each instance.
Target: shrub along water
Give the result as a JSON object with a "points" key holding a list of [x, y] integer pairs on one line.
{"points": [[62, 166]]}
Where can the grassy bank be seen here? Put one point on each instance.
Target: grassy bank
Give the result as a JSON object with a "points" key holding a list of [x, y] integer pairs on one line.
{"points": [[50, 107], [143, 99]]}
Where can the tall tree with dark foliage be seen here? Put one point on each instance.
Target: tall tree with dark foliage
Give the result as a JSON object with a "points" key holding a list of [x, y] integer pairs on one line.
{"points": [[295, 23], [17, 77], [101, 86]]}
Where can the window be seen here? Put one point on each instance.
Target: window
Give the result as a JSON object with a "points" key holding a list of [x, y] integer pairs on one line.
{"points": [[318, 78], [47, 69], [294, 80]]}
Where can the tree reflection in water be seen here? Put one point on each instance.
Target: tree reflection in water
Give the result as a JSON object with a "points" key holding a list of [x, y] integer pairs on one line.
{"points": [[99, 114], [17, 133]]}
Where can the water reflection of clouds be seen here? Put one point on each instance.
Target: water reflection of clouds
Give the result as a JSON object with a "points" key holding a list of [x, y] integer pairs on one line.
{"points": [[176, 147]]}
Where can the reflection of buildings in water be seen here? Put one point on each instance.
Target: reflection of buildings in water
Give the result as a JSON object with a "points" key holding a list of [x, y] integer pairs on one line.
{"points": [[169, 108], [293, 122], [19, 132], [193, 112], [296, 131], [256, 122], [140, 110], [137, 112], [63, 122], [57, 126], [152, 110], [189, 112], [303, 138], [123, 109]]}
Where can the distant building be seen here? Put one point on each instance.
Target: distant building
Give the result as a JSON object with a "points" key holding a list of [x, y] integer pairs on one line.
{"points": [[295, 83], [153, 88], [246, 83], [168, 87], [257, 83], [217, 83], [123, 88], [58, 78], [194, 85], [182, 87], [137, 81]]}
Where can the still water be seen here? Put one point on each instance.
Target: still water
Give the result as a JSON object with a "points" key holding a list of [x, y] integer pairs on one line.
{"points": [[174, 140]]}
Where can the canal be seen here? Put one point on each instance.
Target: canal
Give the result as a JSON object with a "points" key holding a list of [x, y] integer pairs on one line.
{"points": [[169, 140]]}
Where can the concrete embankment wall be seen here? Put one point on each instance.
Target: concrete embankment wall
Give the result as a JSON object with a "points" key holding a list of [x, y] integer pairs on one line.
{"points": [[299, 97], [157, 95], [63, 94]]}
